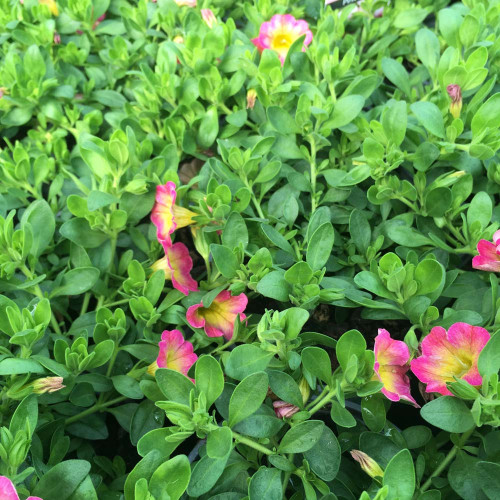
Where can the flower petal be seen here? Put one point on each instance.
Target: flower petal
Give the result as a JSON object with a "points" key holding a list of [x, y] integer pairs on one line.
{"points": [[389, 351], [181, 264], [7, 489]]}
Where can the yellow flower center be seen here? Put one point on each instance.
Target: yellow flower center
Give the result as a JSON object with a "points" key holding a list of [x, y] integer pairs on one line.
{"points": [[282, 41]]}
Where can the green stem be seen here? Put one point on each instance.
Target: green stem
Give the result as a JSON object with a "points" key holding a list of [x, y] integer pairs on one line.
{"points": [[97, 407], [442, 466], [85, 305], [314, 173], [323, 402], [109, 370], [286, 479], [314, 401], [252, 444], [117, 303]]}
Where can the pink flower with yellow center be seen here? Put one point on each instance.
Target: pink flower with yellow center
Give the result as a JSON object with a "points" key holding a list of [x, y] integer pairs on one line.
{"points": [[175, 353], [177, 265], [391, 365], [279, 34], [8, 490], [52, 5], [219, 318], [284, 409], [447, 355], [489, 254], [166, 215]]}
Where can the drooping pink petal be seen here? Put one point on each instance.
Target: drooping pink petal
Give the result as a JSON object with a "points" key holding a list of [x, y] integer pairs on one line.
{"points": [[175, 352]]}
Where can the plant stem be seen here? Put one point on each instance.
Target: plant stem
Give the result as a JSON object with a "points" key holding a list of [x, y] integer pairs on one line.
{"points": [[323, 402], [442, 466], [286, 479], [85, 305], [93, 409], [314, 173], [252, 444], [117, 303]]}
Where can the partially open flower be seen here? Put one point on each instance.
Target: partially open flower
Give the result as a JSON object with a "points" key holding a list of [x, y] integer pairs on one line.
{"points": [[251, 97], [175, 353], [367, 463], [8, 490], [284, 409], [166, 215], [52, 5], [455, 92], [177, 265], [391, 365], [209, 17], [489, 255], [47, 384], [280, 32], [219, 318], [449, 355]]}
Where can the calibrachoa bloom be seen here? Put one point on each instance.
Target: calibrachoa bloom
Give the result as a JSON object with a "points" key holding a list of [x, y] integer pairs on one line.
{"points": [[47, 384], [367, 463], [8, 491], [489, 254], [51, 4], [219, 318], [166, 215], [177, 265], [391, 365], [284, 409], [280, 32], [175, 353], [446, 355], [209, 17]]}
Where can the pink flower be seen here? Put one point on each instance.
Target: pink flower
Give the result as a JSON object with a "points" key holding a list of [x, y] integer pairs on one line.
{"points": [[8, 491], [219, 318], [280, 32], [391, 365], [209, 17], [284, 409], [166, 215], [489, 255], [177, 265], [175, 353], [449, 355], [186, 3]]}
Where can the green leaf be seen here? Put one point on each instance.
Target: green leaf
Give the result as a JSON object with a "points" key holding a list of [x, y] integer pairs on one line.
{"points": [[281, 120], [27, 410], [78, 231], [77, 281], [345, 110], [351, 342], [489, 478], [341, 416], [219, 442], [174, 385], [225, 260], [430, 117], [320, 246], [285, 387], [274, 286], [489, 359], [17, 366], [407, 236], [396, 74], [480, 210], [247, 359], [156, 440], [209, 378], [394, 121], [317, 362], [487, 116], [235, 232], [299, 274], [373, 412], [143, 469], [247, 397], [205, 474], [127, 386], [429, 275], [360, 230], [399, 475], [209, 128], [171, 477], [276, 238], [145, 419], [324, 457], [464, 478], [302, 437], [62, 480], [428, 48], [448, 413], [40, 217], [265, 484]]}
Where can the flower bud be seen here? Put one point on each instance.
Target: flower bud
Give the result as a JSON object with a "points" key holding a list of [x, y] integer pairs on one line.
{"points": [[251, 96], [367, 463], [284, 409], [305, 390], [200, 242], [57, 38], [455, 93], [178, 39], [209, 17], [47, 384]]}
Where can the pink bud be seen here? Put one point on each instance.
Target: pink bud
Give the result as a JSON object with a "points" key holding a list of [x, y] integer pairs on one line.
{"points": [[47, 384], [284, 409], [209, 17], [57, 38], [455, 92]]}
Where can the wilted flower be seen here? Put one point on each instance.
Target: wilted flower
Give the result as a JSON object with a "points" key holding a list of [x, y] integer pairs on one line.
{"points": [[449, 355], [455, 92], [57, 38], [8, 490], [367, 463], [489, 254], [284, 409], [177, 265], [166, 215], [280, 32], [186, 3], [219, 318], [52, 5], [175, 353], [391, 365], [251, 97], [47, 384], [209, 17]]}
